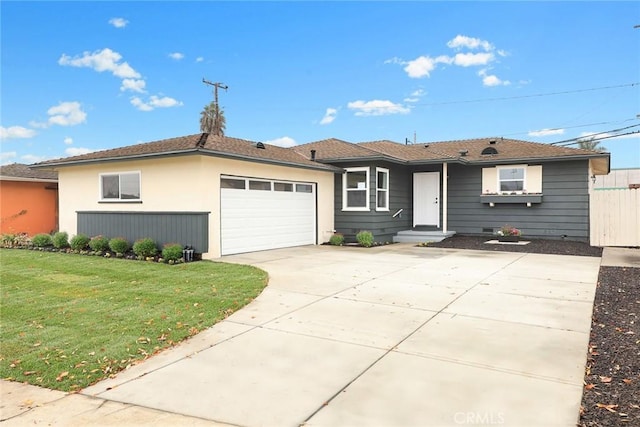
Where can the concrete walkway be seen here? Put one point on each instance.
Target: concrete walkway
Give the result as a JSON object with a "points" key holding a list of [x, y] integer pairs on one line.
{"points": [[389, 336]]}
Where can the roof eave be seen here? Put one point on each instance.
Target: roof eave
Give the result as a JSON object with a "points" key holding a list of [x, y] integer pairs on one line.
{"points": [[24, 179], [77, 162], [320, 167], [540, 159]]}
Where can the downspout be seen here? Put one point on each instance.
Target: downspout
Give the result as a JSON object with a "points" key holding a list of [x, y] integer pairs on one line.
{"points": [[445, 180]]}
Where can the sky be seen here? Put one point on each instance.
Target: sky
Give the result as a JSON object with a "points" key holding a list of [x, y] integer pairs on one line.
{"points": [[83, 76]]}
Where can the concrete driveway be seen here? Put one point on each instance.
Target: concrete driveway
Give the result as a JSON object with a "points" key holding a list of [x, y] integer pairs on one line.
{"points": [[389, 336]]}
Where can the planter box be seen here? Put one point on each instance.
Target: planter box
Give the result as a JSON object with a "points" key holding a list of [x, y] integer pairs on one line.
{"points": [[526, 199], [508, 238]]}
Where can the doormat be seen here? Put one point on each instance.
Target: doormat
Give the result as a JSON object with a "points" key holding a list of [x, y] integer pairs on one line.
{"points": [[497, 242]]}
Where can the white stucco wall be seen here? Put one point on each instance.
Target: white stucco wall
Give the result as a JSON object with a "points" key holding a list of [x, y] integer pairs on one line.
{"points": [[182, 183]]}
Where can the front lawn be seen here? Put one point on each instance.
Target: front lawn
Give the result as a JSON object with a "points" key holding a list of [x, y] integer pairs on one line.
{"points": [[68, 321]]}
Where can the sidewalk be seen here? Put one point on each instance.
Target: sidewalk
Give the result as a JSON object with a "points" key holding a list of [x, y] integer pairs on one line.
{"points": [[395, 336]]}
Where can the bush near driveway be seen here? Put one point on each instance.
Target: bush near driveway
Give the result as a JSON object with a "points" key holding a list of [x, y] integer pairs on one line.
{"points": [[69, 320]]}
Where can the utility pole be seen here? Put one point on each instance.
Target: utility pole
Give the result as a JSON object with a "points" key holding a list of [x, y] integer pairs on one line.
{"points": [[215, 88], [218, 120]]}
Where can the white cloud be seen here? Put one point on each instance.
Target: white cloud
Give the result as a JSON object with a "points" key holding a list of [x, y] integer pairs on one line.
{"points": [[329, 116], [546, 132], [77, 151], [16, 132], [415, 95], [176, 55], [136, 85], [377, 108], [470, 59], [32, 158], [68, 140], [101, 60], [285, 142], [423, 65], [394, 60], [199, 59], [492, 79], [154, 102], [66, 114], [118, 22], [461, 41], [7, 156]]}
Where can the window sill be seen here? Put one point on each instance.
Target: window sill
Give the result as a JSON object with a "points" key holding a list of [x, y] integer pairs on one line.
{"points": [[355, 209], [120, 201], [527, 199], [382, 210]]}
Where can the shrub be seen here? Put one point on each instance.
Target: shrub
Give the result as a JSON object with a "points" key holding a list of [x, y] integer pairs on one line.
{"points": [[337, 239], [119, 245], [60, 240], [99, 244], [365, 238], [79, 242], [41, 240], [172, 251], [145, 248], [20, 240]]}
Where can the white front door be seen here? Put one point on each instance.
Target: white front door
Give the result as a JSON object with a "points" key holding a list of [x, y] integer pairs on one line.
{"points": [[426, 198]]}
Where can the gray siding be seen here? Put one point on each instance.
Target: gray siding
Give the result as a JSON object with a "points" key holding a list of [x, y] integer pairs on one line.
{"points": [[381, 224], [563, 213], [186, 228]]}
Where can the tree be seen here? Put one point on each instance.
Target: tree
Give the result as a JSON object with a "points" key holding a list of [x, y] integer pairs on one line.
{"points": [[591, 144], [212, 120]]}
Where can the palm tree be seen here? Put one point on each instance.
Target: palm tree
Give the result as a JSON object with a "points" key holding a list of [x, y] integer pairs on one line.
{"points": [[591, 144], [212, 120]]}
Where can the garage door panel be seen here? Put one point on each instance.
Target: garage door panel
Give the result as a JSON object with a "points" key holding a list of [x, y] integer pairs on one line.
{"points": [[253, 220]]}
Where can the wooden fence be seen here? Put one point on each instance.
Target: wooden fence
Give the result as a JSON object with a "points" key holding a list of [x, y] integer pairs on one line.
{"points": [[615, 217]]}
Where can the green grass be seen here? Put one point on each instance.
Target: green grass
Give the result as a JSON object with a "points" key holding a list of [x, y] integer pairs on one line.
{"points": [[68, 321]]}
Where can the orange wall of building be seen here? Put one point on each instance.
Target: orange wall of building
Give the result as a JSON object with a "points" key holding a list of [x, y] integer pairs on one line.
{"points": [[28, 207]]}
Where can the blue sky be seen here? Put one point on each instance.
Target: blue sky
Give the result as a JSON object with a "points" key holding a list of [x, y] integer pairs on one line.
{"points": [[83, 76]]}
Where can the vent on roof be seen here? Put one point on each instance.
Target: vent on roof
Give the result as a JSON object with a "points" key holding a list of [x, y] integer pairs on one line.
{"points": [[313, 155], [260, 145], [488, 151], [492, 141], [463, 153], [426, 145]]}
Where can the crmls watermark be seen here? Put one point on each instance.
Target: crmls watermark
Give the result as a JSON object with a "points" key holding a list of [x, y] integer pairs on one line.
{"points": [[479, 418]]}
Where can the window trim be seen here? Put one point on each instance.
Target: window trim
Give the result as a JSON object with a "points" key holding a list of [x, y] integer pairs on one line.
{"points": [[385, 190], [499, 181], [102, 199], [345, 190]]}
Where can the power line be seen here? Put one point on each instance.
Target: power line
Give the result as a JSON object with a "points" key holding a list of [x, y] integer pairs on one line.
{"points": [[535, 95], [563, 142], [601, 138], [571, 127]]}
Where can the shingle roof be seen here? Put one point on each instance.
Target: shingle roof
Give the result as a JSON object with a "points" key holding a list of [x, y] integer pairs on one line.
{"points": [[335, 149], [198, 143], [19, 170]]}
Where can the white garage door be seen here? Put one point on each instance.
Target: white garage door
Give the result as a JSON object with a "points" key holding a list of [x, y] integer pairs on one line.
{"points": [[258, 214]]}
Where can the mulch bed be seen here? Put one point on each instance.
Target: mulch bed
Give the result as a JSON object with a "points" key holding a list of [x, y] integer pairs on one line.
{"points": [[611, 395]]}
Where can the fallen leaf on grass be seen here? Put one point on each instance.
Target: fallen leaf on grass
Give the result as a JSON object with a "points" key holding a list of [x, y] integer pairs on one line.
{"points": [[27, 373], [610, 408], [62, 375]]}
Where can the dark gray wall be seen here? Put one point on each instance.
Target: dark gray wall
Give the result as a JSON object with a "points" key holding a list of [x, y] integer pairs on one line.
{"points": [[381, 224], [564, 211], [186, 228]]}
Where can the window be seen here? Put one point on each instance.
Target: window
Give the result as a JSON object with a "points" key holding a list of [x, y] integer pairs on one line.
{"points": [[260, 185], [511, 179], [236, 184], [382, 189], [282, 186], [304, 188], [355, 189], [123, 186]]}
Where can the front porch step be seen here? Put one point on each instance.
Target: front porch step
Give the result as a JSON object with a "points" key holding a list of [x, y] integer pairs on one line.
{"points": [[415, 236]]}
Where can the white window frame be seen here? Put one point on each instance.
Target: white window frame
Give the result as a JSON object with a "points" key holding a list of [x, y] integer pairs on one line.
{"points": [[385, 190], [499, 181], [119, 199], [345, 190]]}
